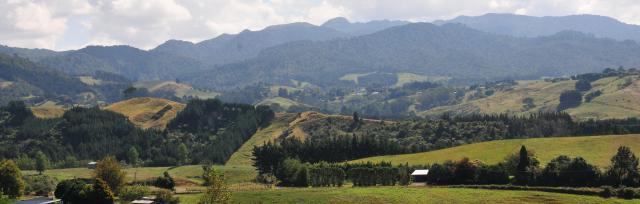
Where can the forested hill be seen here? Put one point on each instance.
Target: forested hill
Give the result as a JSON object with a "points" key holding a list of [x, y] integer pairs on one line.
{"points": [[450, 50], [22, 79], [206, 131], [246, 44]]}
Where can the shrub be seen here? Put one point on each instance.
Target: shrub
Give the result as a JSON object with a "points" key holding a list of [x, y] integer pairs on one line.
{"points": [[608, 191], [569, 99], [165, 181], [72, 191], [11, 182], [165, 197], [626, 193], [129, 193], [40, 185], [493, 174]]}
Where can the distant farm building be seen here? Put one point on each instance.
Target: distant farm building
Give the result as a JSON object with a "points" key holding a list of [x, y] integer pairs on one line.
{"points": [[92, 165], [420, 175]]}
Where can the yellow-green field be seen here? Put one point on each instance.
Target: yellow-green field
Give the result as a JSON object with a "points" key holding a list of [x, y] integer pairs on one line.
{"points": [[616, 101], [282, 102], [404, 195], [179, 89], [48, 109], [597, 150], [141, 110], [242, 157], [233, 174]]}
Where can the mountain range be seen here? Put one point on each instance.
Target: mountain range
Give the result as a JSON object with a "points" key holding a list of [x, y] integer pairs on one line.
{"points": [[481, 48]]}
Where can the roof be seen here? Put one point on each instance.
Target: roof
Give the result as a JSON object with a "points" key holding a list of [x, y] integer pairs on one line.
{"points": [[420, 172], [142, 202], [38, 200]]}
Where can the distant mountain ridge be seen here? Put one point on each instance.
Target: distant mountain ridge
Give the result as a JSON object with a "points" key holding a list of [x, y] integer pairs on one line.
{"points": [[451, 50], [343, 25], [531, 26]]}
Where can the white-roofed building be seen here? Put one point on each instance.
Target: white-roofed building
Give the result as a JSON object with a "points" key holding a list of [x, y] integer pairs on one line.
{"points": [[420, 175]]}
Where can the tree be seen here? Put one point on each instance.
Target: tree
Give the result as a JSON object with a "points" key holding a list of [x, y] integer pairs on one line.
{"points": [[42, 162], [165, 181], [524, 174], [101, 193], [109, 170], [624, 168], [569, 99], [11, 182], [356, 121], [183, 154], [73, 191], [217, 192], [583, 85], [133, 156]]}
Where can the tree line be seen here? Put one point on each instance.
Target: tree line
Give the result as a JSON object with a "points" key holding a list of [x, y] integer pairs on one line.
{"points": [[206, 131]]}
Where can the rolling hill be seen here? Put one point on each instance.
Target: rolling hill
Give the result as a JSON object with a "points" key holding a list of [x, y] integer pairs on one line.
{"points": [[618, 99], [595, 149], [148, 112]]}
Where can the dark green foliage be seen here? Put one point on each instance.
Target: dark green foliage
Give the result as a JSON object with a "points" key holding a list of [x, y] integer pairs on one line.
{"points": [[569, 99], [76, 191], [465, 171], [218, 128], [442, 174], [564, 171], [404, 175], [624, 169], [42, 162], [11, 183], [323, 174], [492, 174], [525, 174], [165, 181], [73, 191], [292, 173], [39, 185], [583, 85]]}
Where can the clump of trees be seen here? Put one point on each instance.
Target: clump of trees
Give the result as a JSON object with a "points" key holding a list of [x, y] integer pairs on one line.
{"points": [[217, 190], [11, 183]]}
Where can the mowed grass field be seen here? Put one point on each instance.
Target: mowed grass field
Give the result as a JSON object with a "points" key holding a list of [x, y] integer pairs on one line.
{"points": [[233, 174], [404, 195], [597, 150]]}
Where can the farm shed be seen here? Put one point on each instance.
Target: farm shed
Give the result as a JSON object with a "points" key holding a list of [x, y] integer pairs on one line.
{"points": [[420, 175]]}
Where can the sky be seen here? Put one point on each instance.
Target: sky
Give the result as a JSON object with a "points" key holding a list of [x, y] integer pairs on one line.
{"points": [[73, 24]]}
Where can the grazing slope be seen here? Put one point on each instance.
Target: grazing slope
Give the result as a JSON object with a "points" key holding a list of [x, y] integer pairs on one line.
{"points": [[597, 150], [242, 157], [148, 112], [616, 101]]}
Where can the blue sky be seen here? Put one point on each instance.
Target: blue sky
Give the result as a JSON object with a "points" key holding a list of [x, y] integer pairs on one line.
{"points": [[72, 24]]}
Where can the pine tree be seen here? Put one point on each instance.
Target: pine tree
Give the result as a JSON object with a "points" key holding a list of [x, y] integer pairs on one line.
{"points": [[523, 171]]}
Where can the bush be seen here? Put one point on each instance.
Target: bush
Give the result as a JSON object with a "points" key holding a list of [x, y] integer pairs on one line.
{"points": [[608, 191], [40, 185], [590, 96], [626, 193], [129, 193], [72, 191], [493, 174], [165, 197], [165, 181]]}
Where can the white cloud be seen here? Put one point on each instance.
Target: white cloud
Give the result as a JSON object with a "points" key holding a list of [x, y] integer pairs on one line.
{"points": [[147, 23]]}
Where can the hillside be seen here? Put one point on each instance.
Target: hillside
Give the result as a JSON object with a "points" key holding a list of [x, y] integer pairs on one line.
{"points": [[532, 26], [451, 50], [595, 149], [618, 99], [148, 112], [242, 156]]}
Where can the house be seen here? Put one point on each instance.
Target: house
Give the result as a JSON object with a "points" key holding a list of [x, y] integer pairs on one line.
{"points": [[92, 165], [420, 175]]}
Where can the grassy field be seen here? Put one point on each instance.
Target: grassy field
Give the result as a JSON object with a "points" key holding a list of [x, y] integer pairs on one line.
{"points": [[283, 102], [141, 111], [404, 195], [616, 101], [597, 150], [48, 109], [179, 89], [233, 174], [242, 157]]}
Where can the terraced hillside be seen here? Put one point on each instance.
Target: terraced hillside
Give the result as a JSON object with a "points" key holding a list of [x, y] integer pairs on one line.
{"points": [[618, 99], [148, 112], [595, 149]]}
